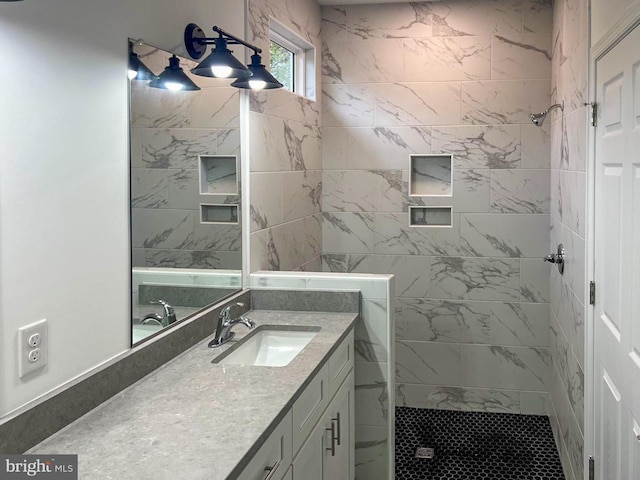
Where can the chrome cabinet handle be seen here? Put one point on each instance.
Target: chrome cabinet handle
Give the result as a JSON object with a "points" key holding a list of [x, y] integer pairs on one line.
{"points": [[271, 470], [332, 448], [339, 429]]}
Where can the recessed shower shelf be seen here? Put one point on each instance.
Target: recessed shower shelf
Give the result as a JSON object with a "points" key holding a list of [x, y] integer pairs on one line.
{"points": [[430, 217], [218, 213], [218, 175], [431, 175]]}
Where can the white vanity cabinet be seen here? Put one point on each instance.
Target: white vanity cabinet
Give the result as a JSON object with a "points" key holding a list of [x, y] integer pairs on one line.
{"points": [[339, 444], [328, 453], [318, 431]]}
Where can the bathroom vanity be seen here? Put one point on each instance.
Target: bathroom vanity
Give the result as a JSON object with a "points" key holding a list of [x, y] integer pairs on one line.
{"points": [[193, 418]]}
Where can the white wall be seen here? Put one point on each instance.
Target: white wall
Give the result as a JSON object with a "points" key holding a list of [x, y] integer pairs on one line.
{"points": [[64, 221], [606, 13]]}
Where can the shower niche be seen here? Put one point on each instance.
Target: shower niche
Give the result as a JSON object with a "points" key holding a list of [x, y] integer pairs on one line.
{"points": [[430, 181], [210, 213], [218, 175], [431, 175], [219, 186], [430, 216]]}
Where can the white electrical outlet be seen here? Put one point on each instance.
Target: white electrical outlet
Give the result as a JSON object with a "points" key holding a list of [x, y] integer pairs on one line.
{"points": [[32, 347]]}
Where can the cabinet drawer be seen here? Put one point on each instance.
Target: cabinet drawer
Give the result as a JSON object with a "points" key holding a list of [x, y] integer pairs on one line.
{"points": [[309, 407], [340, 364], [274, 457]]}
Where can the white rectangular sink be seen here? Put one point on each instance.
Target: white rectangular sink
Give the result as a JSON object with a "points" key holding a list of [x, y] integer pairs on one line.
{"points": [[268, 348]]}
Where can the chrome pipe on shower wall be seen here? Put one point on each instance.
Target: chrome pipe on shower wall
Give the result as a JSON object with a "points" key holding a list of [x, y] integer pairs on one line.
{"points": [[538, 118]]}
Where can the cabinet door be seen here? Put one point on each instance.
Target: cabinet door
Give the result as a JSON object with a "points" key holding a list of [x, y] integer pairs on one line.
{"points": [[339, 449], [308, 463]]}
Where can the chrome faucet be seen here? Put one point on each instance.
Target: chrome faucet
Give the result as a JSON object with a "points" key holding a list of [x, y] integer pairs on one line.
{"points": [[226, 323], [168, 316]]}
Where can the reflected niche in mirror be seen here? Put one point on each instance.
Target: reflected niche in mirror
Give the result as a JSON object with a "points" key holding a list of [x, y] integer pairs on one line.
{"points": [[185, 196]]}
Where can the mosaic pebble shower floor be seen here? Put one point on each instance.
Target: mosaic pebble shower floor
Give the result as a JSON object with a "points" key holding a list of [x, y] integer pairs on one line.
{"points": [[475, 446]]}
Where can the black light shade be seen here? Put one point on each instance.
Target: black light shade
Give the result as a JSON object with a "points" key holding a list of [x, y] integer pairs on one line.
{"points": [[173, 78], [261, 78], [137, 69], [221, 63]]}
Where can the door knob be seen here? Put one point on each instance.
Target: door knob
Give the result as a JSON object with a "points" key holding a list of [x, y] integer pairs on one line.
{"points": [[557, 258]]}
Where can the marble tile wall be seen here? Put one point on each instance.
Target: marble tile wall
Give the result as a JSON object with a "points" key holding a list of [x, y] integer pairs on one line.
{"points": [[568, 226], [460, 78], [285, 153], [169, 131]]}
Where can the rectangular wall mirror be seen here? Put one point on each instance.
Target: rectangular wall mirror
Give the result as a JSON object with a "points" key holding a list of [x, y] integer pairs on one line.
{"points": [[186, 234]]}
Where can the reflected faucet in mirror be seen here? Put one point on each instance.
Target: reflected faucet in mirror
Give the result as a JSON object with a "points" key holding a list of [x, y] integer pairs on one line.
{"points": [[167, 318]]}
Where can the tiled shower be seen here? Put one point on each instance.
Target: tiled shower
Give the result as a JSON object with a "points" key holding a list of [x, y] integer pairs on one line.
{"points": [[477, 326]]}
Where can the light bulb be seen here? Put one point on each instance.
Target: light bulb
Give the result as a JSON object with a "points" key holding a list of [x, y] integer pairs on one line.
{"points": [[221, 71], [174, 86], [257, 84], [132, 74]]}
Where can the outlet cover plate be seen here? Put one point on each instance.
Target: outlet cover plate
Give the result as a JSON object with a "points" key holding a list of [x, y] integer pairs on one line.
{"points": [[25, 366]]}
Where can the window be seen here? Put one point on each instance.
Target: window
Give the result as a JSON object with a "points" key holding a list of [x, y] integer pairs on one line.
{"points": [[283, 65], [292, 60]]}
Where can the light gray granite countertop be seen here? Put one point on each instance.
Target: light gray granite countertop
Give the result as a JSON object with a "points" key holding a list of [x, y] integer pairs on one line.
{"points": [[195, 419]]}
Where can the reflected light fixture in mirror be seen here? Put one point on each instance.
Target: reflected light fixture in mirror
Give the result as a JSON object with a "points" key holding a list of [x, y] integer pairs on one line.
{"points": [[173, 78], [138, 70]]}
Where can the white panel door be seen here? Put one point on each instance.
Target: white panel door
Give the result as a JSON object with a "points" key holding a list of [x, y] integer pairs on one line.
{"points": [[617, 263]]}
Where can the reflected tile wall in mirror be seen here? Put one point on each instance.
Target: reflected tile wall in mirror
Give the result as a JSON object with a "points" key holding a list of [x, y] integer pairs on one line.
{"points": [[175, 138]]}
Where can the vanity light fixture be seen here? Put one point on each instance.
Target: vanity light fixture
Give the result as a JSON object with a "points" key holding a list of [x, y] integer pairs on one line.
{"points": [[260, 78], [222, 64], [137, 69], [173, 78]]}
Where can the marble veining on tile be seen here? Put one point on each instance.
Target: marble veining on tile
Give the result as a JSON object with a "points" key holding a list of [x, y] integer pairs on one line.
{"points": [[388, 21], [490, 235], [458, 398], [492, 147], [362, 190], [520, 191], [385, 148], [474, 278], [394, 235], [418, 104], [447, 58]]}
